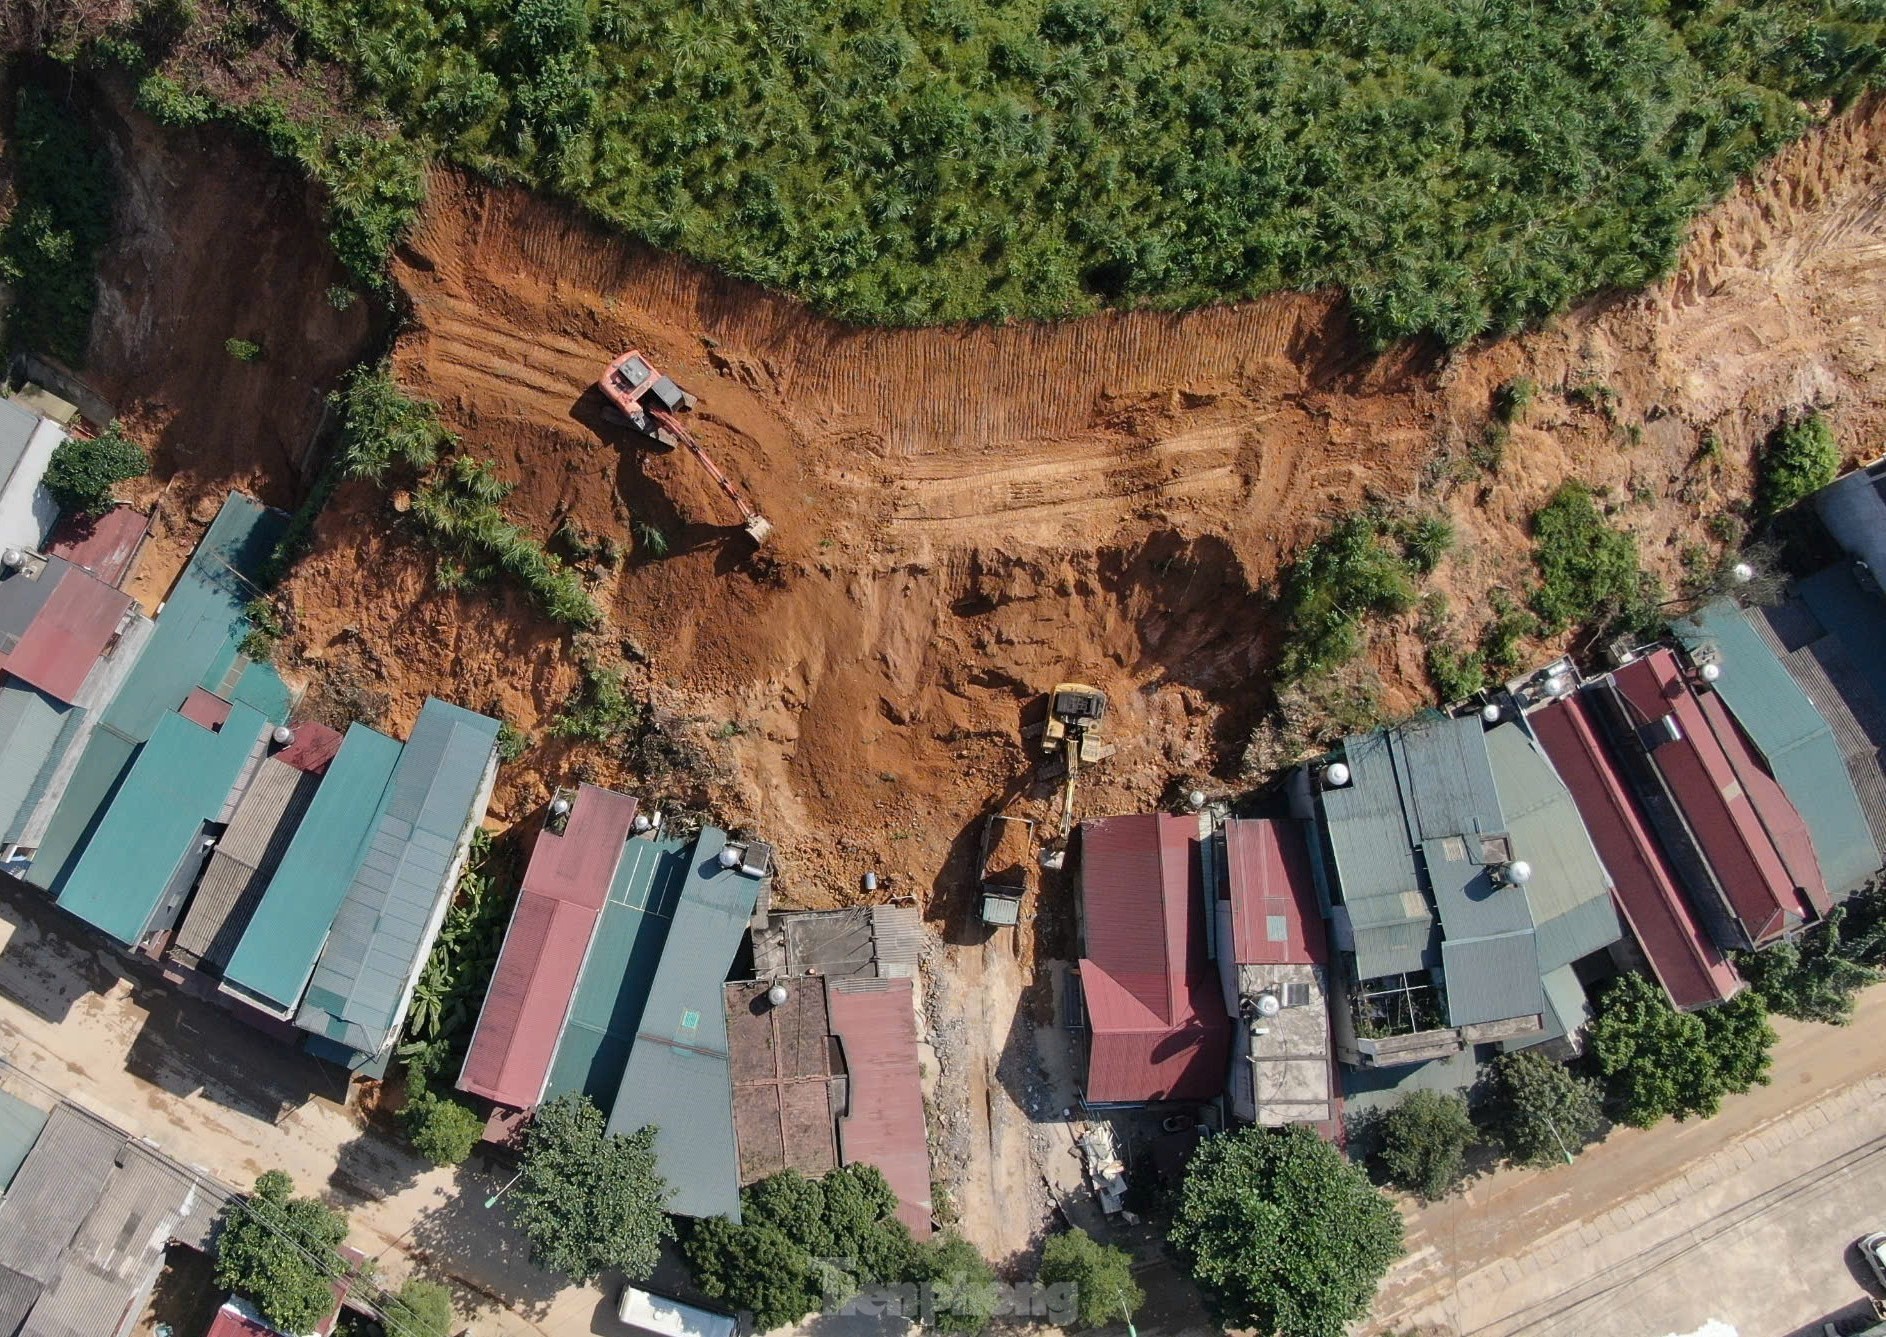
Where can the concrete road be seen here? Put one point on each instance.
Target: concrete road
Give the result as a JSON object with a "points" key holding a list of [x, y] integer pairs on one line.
{"points": [[1756, 1238]]}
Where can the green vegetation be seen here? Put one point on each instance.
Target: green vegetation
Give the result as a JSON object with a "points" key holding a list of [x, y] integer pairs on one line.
{"points": [[1459, 168], [1513, 398], [84, 473], [1456, 674], [1799, 459], [459, 508], [1657, 1061], [1336, 582], [452, 982], [773, 1261], [441, 1129], [266, 629], [1424, 1141], [1817, 976], [1425, 540], [382, 426], [1284, 1234], [49, 246], [650, 539], [960, 1283], [513, 742], [1102, 1277], [1588, 570], [601, 711], [587, 1200], [1540, 1111], [279, 1251], [421, 1309], [243, 350]]}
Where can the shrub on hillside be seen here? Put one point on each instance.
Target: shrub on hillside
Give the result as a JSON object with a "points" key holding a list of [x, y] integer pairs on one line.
{"points": [[1589, 574], [1799, 459], [60, 222], [84, 473], [1341, 578]]}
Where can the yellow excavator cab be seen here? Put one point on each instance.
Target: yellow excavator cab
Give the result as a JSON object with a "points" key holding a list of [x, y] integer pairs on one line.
{"points": [[1072, 707]]}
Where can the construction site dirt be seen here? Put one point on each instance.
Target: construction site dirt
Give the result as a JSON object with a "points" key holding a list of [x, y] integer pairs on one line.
{"points": [[961, 517]]}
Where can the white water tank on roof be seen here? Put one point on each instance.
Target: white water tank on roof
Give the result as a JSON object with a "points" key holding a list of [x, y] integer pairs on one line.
{"points": [[1337, 775]]}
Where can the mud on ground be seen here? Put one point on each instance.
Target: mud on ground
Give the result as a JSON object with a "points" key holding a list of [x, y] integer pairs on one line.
{"points": [[962, 517]]}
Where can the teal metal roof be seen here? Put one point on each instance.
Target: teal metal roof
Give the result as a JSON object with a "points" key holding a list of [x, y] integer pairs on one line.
{"points": [[1570, 892], [679, 1079], [31, 724], [19, 1129], [619, 971], [180, 780], [391, 912], [193, 645], [1794, 740], [277, 952], [1374, 862], [1446, 780]]}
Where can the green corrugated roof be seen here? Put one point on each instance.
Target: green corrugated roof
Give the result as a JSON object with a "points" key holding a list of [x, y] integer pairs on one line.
{"points": [[179, 781], [278, 950], [193, 645], [623, 956], [1374, 862], [31, 723], [1569, 893], [19, 1129], [1795, 741]]}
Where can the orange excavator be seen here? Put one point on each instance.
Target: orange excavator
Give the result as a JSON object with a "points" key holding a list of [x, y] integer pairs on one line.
{"points": [[650, 402]]}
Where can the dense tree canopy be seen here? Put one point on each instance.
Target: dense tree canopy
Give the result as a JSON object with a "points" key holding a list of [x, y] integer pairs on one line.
{"points": [[1424, 1141], [588, 1200], [1541, 1111], [1657, 1061], [1283, 1233], [1799, 458], [1459, 166], [1101, 1275], [442, 1130], [84, 472], [278, 1251]]}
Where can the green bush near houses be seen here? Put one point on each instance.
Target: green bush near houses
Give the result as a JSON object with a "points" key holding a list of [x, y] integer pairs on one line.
{"points": [[1424, 1141], [1799, 458], [602, 709], [441, 1129], [84, 472], [1818, 976], [1350, 573], [1101, 1275], [383, 426], [459, 509], [1588, 570], [1540, 1111], [1657, 1062], [281, 1253], [588, 1200]]}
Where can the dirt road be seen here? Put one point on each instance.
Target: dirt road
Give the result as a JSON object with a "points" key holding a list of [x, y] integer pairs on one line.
{"points": [[1453, 1244]]}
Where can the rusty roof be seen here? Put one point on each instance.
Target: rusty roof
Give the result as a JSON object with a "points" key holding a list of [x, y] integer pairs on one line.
{"points": [[875, 1021], [72, 628], [562, 896], [783, 1115], [1274, 916], [313, 750], [104, 546]]}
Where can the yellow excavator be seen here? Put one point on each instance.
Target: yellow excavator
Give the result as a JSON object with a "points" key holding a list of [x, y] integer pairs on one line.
{"points": [[1072, 735]]}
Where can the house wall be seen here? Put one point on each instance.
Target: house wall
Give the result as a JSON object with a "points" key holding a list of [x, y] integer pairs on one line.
{"points": [[27, 510]]}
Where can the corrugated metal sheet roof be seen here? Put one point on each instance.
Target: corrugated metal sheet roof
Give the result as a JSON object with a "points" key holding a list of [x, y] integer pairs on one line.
{"points": [[1779, 817], [105, 546], [1688, 965], [1793, 739], [277, 951], [1856, 616], [313, 750], [20, 1125], [1274, 915], [391, 913], [1447, 782], [883, 1124], [18, 1294], [31, 723], [54, 1191], [1374, 862], [1491, 979], [24, 594], [557, 909], [783, 1090], [179, 781], [246, 858], [1570, 893], [1714, 802], [71, 631], [1157, 1028], [623, 956], [678, 1079]]}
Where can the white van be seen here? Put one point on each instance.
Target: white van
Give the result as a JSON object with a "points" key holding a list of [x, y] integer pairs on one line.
{"points": [[662, 1317]]}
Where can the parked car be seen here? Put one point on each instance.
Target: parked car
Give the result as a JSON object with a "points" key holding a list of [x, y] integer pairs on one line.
{"points": [[1873, 1249]]}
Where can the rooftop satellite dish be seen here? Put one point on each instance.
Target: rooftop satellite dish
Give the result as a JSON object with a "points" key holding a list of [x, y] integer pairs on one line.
{"points": [[1490, 712], [1519, 872], [1711, 671], [283, 735], [641, 822], [1337, 774], [776, 995]]}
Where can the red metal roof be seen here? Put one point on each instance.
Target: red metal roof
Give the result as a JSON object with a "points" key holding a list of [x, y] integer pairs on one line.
{"points": [[1714, 798], [313, 750], [1275, 919], [876, 1025], [204, 708], [104, 546], [1158, 1029], [232, 1322], [1688, 965], [67, 635], [557, 908], [1779, 817]]}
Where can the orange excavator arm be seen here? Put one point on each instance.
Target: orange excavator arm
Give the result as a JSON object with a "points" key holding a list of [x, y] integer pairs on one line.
{"points": [[757, 525]]}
